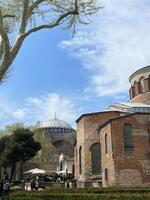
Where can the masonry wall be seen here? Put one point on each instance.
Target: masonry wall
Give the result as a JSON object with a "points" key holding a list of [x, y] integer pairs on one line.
{"points": [[132, 168], [80, 143], [107, 157], [141, 98], [87, 135], [140, 86]]}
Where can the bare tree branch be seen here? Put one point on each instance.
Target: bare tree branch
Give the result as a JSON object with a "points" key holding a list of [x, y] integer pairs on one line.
{"points": [[5, 47], [24, 16], [7, 16], [34, 5], [51, 25], [20, 39]]}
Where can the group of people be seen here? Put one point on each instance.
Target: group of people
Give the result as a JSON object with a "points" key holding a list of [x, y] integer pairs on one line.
{"points": [[4, 188], [31, 185]]}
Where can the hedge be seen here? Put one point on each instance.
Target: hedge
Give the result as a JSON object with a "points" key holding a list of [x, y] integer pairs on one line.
{"points": [[112, 190], [114, 193], [82, 197]]}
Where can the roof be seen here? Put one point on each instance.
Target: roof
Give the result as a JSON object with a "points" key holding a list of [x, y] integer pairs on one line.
{"points": [[95, 113], [130, 107], [54, 123], [144, 69], [117, 118], [134, 104], [121, 107]]}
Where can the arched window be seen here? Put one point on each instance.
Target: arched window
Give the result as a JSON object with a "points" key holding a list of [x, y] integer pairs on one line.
{"points": [[106, 174], [61, 166], [141, 85], [96, 158], [76, 156], [73, 169], [149, 82], [128, 138], [80, 160], [106, 148]]}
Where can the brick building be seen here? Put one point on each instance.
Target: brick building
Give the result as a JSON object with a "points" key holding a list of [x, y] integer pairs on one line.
{"points": [[113, 147], [140, 86]]}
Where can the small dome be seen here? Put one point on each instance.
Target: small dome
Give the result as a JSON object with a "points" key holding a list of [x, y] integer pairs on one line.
{"points": [[54, 123]]}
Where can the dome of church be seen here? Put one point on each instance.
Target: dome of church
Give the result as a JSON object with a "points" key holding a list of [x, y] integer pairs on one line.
{"points": [[55, 124], [56, 137]]}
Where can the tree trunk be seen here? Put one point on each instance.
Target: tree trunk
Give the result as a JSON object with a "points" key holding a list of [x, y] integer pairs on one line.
{"points": [[21, 169], [13, 168], [0, 172], [1, 48]]}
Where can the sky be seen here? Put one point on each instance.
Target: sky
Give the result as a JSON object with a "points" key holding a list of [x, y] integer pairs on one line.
{"points": [[57, 73]]}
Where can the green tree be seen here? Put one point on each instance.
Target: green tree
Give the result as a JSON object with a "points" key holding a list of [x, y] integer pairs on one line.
{"points": [[24, 17], [8, 130], [18, 147]]}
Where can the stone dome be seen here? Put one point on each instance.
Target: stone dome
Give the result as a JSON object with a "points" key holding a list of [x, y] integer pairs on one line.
{"points": [[54, 124]]}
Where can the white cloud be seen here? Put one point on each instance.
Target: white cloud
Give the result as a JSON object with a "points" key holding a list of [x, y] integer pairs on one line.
{"points": [[114, 46], [20, 113], [9, 111], [45, 107], [40, 109]]}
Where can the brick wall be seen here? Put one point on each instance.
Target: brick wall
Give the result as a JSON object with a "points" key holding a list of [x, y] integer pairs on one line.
{"points": [[141, 98], [140, 86], [107, 157], [132, 168], [87, 135]]}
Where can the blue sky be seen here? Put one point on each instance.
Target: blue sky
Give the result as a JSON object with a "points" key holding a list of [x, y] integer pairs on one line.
{"points": [[55, 72]]}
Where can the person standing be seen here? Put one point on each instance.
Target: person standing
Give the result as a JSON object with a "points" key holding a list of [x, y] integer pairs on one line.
{"points": [[37, 185], [1, 189], [32, 184], [6, 188]]}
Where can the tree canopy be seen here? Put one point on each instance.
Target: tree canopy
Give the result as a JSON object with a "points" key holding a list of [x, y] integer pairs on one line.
{"points": [[18, 147], [10, 128], [20, 18]]}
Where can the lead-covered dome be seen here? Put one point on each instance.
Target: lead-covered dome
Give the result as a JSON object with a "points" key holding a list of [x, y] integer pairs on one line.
{"points": [[55, 125], [56, 136]]}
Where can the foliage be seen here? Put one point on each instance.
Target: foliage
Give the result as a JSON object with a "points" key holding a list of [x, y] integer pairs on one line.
{"points": [[102, 190], [18, 147], [20, 18], [8, 130]]}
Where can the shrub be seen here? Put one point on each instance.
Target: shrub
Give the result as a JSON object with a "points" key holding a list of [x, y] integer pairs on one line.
{"points": [[83, 194]]}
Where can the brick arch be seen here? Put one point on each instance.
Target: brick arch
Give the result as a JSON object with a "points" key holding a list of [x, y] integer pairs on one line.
{"points": [[132, 90], [64, 146], [130, 120], [134, 83]]}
